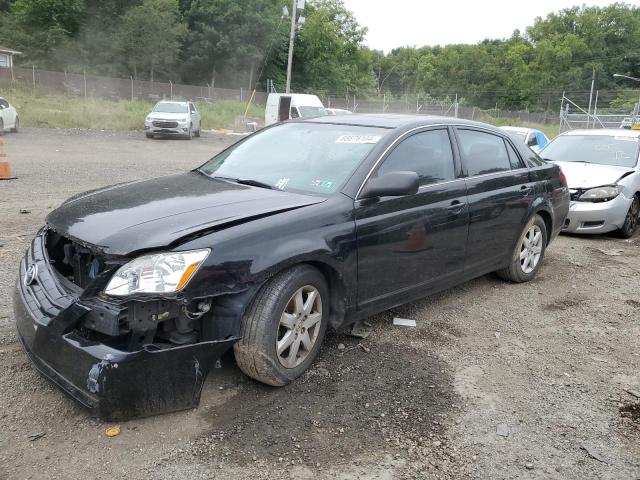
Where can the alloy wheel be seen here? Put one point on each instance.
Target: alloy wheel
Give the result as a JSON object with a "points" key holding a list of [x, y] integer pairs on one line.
{"points": [[631, 221], [299, 326], [531, 249]]}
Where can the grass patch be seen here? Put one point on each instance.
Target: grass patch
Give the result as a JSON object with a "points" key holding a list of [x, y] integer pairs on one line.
{"points": [[40, 108]]}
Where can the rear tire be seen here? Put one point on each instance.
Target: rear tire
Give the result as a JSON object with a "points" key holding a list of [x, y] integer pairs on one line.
{"points": [[197, 133], [16, 126], [527, 257], [1, 127], [631, 221], [283, 329]]}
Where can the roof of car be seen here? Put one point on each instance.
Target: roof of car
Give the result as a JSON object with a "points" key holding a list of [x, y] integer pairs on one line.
{"points": [[518, 129], [611, 132], [174, 101], [388, 120]]}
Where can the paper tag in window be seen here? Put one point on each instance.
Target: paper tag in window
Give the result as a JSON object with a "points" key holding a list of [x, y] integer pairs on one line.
{"points": [[628, 139], [358, 139]]}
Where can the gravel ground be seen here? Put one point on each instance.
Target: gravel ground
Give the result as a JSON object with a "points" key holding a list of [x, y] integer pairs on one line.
{"points": [[496, 381]]}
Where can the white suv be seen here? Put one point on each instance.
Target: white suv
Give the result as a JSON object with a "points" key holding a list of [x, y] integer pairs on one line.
{"points": [[8, 117]]}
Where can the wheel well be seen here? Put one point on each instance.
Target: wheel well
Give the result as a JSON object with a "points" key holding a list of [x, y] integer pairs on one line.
{"points": [[337, 292], [548, 222]]}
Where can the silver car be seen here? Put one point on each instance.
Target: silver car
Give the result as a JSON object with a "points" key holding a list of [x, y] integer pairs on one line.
{"points": [[173, 118], [601, 168], [9, 119]]}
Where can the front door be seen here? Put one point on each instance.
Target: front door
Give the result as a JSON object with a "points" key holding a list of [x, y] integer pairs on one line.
{"points": [[500, 196], [405, 244]]}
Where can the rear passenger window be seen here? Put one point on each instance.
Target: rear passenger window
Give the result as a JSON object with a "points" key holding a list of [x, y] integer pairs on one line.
{"points": [[514, 159], [483, 152], [426, 153]]}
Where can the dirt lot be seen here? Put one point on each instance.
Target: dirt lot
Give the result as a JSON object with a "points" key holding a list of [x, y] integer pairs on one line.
{"points": [[496, 381]]}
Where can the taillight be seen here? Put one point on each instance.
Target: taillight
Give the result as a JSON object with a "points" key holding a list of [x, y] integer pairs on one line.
{"points": [[563, 178]]}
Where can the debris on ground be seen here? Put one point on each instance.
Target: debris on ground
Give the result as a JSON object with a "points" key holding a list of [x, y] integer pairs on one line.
{"points": [[366, 349], [35, 436], [341, 346], [404, 322], [632, 392], [611, 253], [503, 430], [361, 329], [593, 454], [112, 431], [24, 210]]}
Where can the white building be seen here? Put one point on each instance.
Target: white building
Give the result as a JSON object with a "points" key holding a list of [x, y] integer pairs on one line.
{"points": [[6, 61]]}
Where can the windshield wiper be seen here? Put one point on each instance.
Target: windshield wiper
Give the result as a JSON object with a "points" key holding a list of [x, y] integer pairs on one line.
{"points": [[246, 181]]}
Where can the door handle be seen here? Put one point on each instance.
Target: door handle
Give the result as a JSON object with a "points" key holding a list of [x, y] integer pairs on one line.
{"points": [[526, 189], [456, 206]]}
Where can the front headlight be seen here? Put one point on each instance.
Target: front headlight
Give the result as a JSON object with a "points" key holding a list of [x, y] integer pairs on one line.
{"points": [[148, 119], [601, 194], [158, 273]]}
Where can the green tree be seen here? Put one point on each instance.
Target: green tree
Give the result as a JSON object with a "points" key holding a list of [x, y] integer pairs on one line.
{"points": [[149, 37], [37, 27], [229, 39]]}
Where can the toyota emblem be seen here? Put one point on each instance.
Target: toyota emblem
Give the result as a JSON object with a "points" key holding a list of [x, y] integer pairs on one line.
{"points": [[32, 274]]}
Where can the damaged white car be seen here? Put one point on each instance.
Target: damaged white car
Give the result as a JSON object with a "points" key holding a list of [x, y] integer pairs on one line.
{"points": [[602, 172]]}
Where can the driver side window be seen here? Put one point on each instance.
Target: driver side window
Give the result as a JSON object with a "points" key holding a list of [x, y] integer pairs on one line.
{"points": [[426, 153]]}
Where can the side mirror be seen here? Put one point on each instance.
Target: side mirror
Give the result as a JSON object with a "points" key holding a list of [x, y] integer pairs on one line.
{"points": [[392, 184], [294, 113]]}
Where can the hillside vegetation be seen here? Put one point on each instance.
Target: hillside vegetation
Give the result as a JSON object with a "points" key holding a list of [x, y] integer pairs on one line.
{"points": [[228, 43]]}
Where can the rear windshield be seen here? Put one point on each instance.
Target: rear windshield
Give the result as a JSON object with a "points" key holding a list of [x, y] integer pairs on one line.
{"points": [[171, 108], [309, 112], [299, 157], [619, 151]]}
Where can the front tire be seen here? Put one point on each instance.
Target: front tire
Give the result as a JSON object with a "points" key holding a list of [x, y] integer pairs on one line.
{"points": [[630, 224], [283, 329], [150, 135], [190, 133], [527, 257], [1, 127]]}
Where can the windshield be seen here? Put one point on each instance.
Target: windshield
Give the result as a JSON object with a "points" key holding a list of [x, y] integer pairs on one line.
{"points": [[619, 151], [171, 108], [299, 157], [308, 112]]}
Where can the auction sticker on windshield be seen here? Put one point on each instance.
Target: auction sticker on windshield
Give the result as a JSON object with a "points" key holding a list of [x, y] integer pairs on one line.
{"points": [[358, 139]]}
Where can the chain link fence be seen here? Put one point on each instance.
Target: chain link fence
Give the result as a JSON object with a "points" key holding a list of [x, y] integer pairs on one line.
{"points": [[131, 89], [128, 88]]}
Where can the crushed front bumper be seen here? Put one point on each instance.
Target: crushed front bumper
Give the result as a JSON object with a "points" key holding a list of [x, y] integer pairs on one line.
{"points": [[600, 217], [113, 384]]}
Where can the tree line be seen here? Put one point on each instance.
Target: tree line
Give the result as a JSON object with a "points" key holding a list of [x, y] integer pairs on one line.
{"points": [[230, 44]]}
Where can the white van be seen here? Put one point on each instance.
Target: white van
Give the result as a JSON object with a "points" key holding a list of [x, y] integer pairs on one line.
{"points": [[284, 106]]}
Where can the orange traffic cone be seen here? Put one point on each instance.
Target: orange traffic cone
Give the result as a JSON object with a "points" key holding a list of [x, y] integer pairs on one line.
{"points": [[5, 167]]}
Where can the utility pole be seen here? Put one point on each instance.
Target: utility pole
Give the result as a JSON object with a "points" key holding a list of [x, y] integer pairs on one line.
{"points": [[292, 37], [593, 82]]}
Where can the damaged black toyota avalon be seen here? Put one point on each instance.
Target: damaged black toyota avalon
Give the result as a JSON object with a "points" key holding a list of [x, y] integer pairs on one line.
{"points": [[129, 294]]}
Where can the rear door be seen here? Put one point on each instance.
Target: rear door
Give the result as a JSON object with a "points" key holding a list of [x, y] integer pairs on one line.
{"points": [[283, 109], [407, 243], [499, 194]]}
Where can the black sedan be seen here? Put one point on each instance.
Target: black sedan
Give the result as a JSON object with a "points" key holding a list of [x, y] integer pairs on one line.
{"points": [[129, 294]]}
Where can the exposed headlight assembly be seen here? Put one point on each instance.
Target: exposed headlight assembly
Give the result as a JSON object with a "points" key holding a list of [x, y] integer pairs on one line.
{"points": [[601, 194], [157, 273]]}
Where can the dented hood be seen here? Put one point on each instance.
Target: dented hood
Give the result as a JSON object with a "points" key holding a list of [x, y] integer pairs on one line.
{"points": [[587, 175], [156, 213]]}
